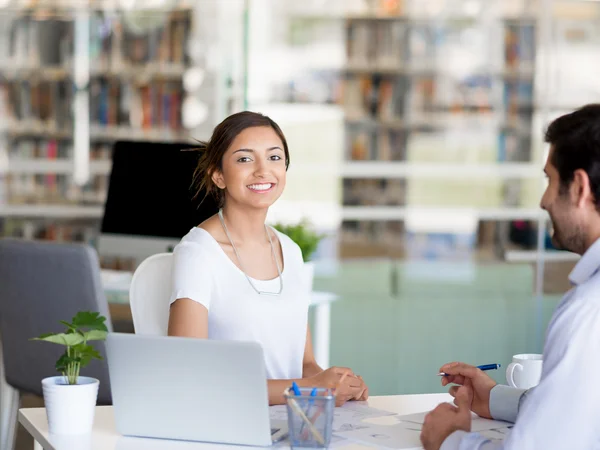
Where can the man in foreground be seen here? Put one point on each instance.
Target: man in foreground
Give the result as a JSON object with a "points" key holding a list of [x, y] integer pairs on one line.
{"points": [[562, 412]]}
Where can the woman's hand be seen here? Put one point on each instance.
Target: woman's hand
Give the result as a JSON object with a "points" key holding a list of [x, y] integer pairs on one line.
{"points": [[347, 385]]}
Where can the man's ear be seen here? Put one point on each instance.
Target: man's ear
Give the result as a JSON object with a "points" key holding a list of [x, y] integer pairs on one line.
{"points": [[217, 179], [580, 188]]}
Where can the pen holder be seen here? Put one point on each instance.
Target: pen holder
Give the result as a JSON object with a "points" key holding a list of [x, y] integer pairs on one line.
{"points": [[310, 417]]}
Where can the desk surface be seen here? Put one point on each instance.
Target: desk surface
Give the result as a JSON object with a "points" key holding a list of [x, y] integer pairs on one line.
{"points": [[105, 437]]}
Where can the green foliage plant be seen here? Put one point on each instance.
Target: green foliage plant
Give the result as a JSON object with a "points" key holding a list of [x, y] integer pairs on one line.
{"points": [[303, 235], [85, 327]]}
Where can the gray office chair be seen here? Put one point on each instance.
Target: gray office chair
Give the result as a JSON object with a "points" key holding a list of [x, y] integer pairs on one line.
{"points": [[42, 283]]}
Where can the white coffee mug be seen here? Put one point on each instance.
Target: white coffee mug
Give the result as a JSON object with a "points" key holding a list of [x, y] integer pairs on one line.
{"points": [[525, 371]]}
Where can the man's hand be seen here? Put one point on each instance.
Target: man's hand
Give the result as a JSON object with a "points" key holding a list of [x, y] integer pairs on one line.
{"points": [[482, 385], [446, 419]]}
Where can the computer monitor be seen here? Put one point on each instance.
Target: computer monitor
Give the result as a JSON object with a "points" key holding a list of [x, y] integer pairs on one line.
{"points": [[150, 205]]}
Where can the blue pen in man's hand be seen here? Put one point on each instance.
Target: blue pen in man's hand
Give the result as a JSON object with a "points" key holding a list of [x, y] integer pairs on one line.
{"points": [[483, 367]]}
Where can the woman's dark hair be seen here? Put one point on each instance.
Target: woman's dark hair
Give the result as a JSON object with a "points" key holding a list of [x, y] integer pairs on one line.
{"points": [[575, 139], [223, 135]]}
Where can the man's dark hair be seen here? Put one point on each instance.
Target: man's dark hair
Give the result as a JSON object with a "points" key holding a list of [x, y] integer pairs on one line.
{"points": [[575, 138]]}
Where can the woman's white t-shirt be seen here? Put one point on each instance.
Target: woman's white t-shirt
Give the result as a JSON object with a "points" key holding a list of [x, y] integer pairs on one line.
{"points": [[203, 272]]}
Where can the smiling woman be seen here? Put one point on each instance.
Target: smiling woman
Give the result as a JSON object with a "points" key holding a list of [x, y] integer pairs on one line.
{"points": [[235, 278], [235, 130]]}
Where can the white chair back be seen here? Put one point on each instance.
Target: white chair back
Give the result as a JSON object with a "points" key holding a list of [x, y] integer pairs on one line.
{"points": [[149, 295]]}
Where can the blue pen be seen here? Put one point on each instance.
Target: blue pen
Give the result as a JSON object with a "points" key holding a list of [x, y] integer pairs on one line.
{"points": [[296, 389], [483, 367], [313, 393]]}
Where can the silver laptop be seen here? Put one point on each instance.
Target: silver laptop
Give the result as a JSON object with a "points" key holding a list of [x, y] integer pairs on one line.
{"points": [[190, 389]]}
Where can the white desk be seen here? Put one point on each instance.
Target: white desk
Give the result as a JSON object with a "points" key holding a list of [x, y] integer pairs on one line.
{"points": [[105, 437], [119, 282]]}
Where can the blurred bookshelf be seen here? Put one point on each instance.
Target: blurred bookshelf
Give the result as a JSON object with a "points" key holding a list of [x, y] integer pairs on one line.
{"points": [[136, 89], [425, 136], [445, 104], [432, 128]]}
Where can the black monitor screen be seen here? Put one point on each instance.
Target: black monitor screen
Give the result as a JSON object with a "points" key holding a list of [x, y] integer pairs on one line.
{"points": [[150, 192]]}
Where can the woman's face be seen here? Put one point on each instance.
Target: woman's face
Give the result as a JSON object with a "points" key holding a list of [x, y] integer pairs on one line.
{"points": [[253, 168]]}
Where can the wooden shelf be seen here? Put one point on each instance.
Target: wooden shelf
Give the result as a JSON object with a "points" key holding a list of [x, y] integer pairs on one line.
{"points": [[52, 211], [115, 133], [139, 73], [382, 213], [97, 133], [429, 70], [47, 73], [35, 129], [57, 166], [438, 122], [49, 8], [437, 19], [441, 171]]}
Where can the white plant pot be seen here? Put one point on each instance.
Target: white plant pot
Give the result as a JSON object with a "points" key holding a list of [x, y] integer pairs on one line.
{"points": [[70, 407], [309, 273]]}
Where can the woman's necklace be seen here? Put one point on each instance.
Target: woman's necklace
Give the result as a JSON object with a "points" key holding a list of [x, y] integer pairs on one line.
{"points": [[240, 259]]}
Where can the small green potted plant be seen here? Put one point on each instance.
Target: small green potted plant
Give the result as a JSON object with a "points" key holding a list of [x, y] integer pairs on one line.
{"points": [[70, 399], [307, 239]]}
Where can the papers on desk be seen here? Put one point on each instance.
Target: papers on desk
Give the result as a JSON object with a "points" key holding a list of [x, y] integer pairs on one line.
{"points": [[351, 416], [346, 418], [398, 436], [477, 423], [406, 434], [278, 413], [350, 423]]}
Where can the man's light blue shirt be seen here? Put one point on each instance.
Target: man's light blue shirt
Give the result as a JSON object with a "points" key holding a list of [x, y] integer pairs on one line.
{"points": [[563, 410]]}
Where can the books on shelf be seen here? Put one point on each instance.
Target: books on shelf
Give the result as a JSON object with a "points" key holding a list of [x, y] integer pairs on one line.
{"points": [[70, 230], [376, 44], [450, 88], [368, 143], [42, 186], [39, 41], [388, 98], [374, 192], [135, 91], [32, 100], [32, 188], [401, 115], [519, 45], [372, 239], [147, 106], [28, 149], [136, 78], [514, 146]]}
